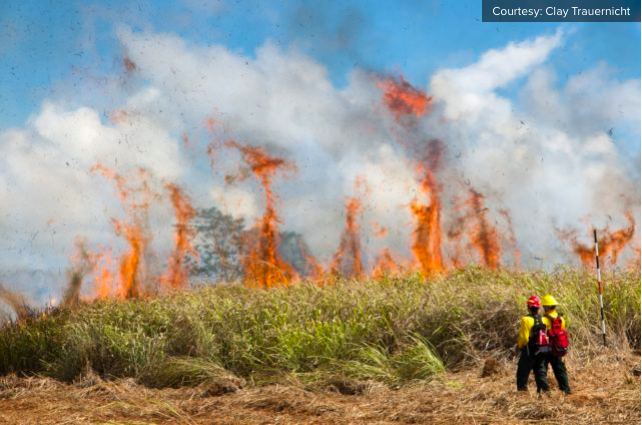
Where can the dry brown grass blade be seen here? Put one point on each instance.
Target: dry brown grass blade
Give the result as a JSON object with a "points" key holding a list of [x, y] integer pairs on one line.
{"points": [[605, 391]]}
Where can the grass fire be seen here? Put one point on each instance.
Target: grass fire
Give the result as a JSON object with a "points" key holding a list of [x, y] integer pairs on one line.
{"points": [[447, 235], [305, 222]]}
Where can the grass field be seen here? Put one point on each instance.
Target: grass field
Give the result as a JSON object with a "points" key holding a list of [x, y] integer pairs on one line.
{"points": [[386, 341]]}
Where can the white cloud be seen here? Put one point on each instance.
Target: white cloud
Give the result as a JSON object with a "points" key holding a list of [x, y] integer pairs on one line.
{"points": [[468, 90]]}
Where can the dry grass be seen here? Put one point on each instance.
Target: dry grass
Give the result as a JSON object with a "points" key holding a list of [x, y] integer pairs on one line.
{"points": [[391, 351], [605, 391]]}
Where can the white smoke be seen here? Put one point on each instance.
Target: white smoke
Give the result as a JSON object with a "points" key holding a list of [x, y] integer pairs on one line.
{"points": [[547, 157], [285, 101], [48, 196], [552, 163]]}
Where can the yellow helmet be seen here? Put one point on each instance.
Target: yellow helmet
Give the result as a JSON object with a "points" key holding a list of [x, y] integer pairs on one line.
{"points": [[549, 301]]}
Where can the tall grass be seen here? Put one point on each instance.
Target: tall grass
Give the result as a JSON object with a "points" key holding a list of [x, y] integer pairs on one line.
{"points": [[390, 330]]}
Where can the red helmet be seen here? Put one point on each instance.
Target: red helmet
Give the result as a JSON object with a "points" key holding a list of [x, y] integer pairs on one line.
{"points": [[533, 302]]}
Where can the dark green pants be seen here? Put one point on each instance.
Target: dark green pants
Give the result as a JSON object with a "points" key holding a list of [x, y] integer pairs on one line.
{"points": [[559, 370], [537, 363]]}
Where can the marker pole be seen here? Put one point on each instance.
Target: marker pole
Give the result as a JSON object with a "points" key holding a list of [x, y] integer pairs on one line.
{"points": [[599, 286]]}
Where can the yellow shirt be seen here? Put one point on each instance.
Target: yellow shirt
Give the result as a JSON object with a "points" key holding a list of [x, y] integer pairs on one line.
{"points": [[547, 322], [527, 324], [525, 331]]}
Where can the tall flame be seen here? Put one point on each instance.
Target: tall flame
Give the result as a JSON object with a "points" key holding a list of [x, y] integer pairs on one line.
{"points": [[483, 235], [177, 276], [103, 277], [347, 260], [261, 259], [263, 264], [427, 235], [130, 283], [133, 232]]}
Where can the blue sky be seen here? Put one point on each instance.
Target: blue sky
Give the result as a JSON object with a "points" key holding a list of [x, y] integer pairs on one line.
{"points": [[46, 46]]}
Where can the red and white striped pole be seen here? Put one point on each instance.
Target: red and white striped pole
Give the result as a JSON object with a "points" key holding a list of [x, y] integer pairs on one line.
{"points": [[599, 285]]}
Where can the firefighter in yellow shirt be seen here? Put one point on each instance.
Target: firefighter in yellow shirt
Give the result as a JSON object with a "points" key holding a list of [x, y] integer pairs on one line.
{"points": [[532, 348], [557, 364]]}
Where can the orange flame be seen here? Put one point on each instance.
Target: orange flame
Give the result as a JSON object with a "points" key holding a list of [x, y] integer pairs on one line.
{"points": [[385, 264], [129, 280], [134, 233], [348, 255], [484, 236], [402, 99], [102, 274], [610, 243], [121, 184], [263, 264], [177, 276], [427, 235]]}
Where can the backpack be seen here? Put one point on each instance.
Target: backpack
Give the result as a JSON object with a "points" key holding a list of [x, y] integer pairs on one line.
{"points": [[538, 340], [558, 338]]}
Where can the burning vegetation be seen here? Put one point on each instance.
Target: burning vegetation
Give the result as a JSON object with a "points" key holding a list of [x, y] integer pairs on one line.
{"points": [[177, 275], [348, 258], [395, 304], [133, 230], [484, 236], [610, 243], [450, 229], [402, 99], [427, 235], [264, 266]]}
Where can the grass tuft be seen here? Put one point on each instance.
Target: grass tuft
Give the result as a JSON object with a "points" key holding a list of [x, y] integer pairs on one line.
{"points": [[392, 330]]}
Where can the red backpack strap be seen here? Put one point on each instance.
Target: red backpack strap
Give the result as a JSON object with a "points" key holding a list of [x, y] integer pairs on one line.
{"points": [[556, 323]]}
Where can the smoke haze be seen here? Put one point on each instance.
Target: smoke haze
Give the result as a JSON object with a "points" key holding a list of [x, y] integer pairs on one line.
{"points": [[548, 156]]}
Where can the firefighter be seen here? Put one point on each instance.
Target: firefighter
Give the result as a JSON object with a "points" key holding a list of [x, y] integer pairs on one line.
{"points": [[552, 357], [532, 348]]}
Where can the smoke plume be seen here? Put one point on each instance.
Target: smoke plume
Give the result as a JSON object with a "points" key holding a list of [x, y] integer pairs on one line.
{"points": [[544, 158]]}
